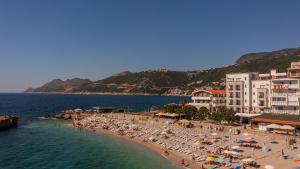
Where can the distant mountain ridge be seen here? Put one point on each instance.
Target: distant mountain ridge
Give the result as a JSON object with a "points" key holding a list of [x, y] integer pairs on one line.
{"points": [[166, 82]]}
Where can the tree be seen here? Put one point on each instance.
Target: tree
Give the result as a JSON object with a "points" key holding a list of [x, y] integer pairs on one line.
{"points": [[171, 108], [202, 113], [229, 116], [223, 114], [189, 111]]}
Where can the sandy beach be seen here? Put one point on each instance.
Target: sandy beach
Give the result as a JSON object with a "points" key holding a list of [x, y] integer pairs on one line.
{"points": [[205, 145]]}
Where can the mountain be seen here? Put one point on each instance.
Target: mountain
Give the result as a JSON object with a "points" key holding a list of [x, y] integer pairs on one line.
{"points": [[58, 85], [174, 82]]}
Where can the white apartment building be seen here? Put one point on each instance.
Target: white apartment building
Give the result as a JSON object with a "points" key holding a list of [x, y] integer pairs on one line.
{"points": [[285, 96], [272, 75], [239, 91], [294, 70], [211, 99], [260, 95], [261, 90]]}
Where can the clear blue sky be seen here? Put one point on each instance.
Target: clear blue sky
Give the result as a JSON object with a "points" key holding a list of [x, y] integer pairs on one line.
{"points": [[45, 39]]}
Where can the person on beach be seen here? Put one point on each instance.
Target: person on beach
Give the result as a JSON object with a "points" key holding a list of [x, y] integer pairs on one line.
{"points": [[182, 161]]}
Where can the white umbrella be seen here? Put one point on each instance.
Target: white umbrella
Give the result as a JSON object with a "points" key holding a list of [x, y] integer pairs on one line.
{"points": [[246, 134], [269, 167], [235, 147], [248, 160], [214, 134], [196, 143], [235, 153], [163, 133]]}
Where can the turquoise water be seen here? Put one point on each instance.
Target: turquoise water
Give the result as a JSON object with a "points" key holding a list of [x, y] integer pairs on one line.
{"points": [[49, 144]]}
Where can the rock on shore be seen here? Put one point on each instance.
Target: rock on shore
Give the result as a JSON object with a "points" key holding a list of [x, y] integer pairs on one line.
{"points": [[64, 116], [7, 122]]}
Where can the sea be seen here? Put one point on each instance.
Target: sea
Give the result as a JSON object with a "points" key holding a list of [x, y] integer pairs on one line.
{"points": [[40, 143]]}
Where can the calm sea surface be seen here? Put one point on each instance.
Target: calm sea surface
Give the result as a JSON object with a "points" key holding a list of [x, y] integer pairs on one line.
{"points": [[41, 144]]}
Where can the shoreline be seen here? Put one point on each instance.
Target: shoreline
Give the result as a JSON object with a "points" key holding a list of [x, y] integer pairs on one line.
{"points": [[104, 94], [172, 157]]}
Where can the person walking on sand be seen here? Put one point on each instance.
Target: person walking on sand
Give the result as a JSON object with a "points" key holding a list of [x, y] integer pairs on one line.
{"points": [[182, 162]]}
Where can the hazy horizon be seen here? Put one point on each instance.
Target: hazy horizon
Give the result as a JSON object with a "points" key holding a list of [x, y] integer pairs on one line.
{"points": [[63, 39]]}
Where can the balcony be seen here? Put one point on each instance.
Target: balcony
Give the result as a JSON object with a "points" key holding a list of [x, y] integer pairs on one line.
{"points": [[285, 86], [293, 74], [279, 103], [293, 103]]}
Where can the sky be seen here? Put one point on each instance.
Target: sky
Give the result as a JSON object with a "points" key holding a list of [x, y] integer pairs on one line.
{"points": [[41, 40]]}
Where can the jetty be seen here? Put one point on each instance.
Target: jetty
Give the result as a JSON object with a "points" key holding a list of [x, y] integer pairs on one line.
{"points": [[7, 122]]}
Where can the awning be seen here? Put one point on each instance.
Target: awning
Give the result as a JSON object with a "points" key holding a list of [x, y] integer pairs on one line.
{"points": [[247, 115], [273, 126]]}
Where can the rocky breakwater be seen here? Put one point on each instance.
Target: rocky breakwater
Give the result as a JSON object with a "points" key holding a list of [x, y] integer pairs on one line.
{"points": [[7, 122], [63, 116]]}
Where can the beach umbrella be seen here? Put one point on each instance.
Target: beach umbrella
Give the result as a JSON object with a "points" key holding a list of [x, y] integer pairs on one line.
{"points": [[235, 153], [196, 143], [248, 160], [269, 167], [210, 158], [237, 167], [265, 148], [163, 133], [241, 141], [220, 160], [235, 147]]}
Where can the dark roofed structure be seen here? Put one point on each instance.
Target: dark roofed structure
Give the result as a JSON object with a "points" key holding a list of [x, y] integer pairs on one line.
{"points": [[278, 119]]}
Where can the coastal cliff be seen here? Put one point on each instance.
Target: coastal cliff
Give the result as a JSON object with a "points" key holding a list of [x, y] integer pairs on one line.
{"points": [[7, 122]]}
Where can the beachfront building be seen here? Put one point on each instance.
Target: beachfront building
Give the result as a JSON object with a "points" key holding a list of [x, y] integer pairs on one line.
{"points": [[294, 70], [239, 91], [211, 99], [260, 95], [272, 75], [285, 96], [261, 90]]}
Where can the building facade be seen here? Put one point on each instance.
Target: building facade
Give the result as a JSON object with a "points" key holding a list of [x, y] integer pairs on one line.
{"points": [[239, 91], [294, 70], [285, 96], [261, 90], [211, 99]]}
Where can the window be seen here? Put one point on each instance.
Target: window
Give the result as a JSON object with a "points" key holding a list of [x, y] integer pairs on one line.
{"points": [[237, 95], [237, 87], [238, 102], [261, 95], [261, 103], [245, 100], [254, 86], [254, 101], [245, 86], [230, 87], [245, 93], [231, 94], [253, 93]]}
